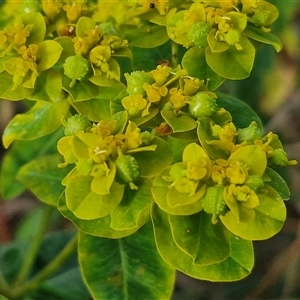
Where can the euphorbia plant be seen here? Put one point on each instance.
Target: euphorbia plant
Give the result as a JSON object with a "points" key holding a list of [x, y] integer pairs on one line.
{"points": [[156, 169]]}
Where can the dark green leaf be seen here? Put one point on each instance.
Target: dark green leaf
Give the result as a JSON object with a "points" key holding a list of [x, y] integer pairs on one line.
{"points": [[195, 63], [242, 114], [278, 184], [128, 268], [257, 34], [147, 36], [20, 153], [43, 178]]}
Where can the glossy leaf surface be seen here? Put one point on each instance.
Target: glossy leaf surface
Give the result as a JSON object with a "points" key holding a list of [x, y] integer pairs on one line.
{"points": [[42, 119], [126, 268], [270, 215], [235, 267], [43, 178]]}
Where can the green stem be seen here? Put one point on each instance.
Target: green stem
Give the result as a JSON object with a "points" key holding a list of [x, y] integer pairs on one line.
{"points": [[33, 251], [52, 267], [174, 51]]}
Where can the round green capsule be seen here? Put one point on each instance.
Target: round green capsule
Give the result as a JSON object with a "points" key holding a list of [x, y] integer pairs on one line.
{"points": [[202, 105], [136, 80], [127, 169], [76, 123], [198, 33], [213, 202], [76, 68]]}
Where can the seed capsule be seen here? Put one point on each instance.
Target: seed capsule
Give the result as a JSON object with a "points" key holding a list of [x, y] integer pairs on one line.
{"points": [[127, 169], [76, 68]]}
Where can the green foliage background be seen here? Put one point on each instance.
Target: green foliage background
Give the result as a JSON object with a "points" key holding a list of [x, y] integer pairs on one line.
{"points": [[253, 91]]}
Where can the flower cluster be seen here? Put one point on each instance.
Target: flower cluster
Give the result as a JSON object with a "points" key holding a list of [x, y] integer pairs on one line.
{"points": [[110, 159]]}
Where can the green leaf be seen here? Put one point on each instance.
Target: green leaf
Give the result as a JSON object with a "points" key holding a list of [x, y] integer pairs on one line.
{"points": [[214, 148], [278, 184], [148, 59], [179, 123], [47, 55], [200, 69], [84, 24], [104, 79], [8, 93], [183, 204], [98, 108], [38, 30], [178, 35], [134, 208], [257, 34], [232, 64], [270, 215], [43, 178], [20, 153], [147, 36], [152, 162], [48, 86], [88, 205], [68, 49], [177, 145], [128, 268], [97, 227], [237, 266], [82, 90], [42, 119], [242, 114], [196, 235]]}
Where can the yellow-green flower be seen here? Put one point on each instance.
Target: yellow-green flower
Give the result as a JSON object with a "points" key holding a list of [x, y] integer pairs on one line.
{"points": [[114, 42], [133, 138], [100, 56], [74, 11], [82, 45], [241, 201], [237, 172], [154, 92], [177, 98], [104, 128], [51, 8], [191, 85], [134, 104], [160, 74], [227, 135], [218, 174]]}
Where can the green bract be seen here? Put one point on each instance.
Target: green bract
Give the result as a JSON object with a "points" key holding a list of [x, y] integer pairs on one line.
{"points": [[127, 137]]}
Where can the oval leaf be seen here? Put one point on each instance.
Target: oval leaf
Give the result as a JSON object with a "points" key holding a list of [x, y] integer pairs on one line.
{"points": [[235, 267], [87, 205], [128, 268], [42, 119], [43, 178], [232, 64], [196, 235], [270, 215]]}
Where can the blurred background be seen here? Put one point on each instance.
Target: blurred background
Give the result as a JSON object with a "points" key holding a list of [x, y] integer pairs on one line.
{"points": [[273, 91]]}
